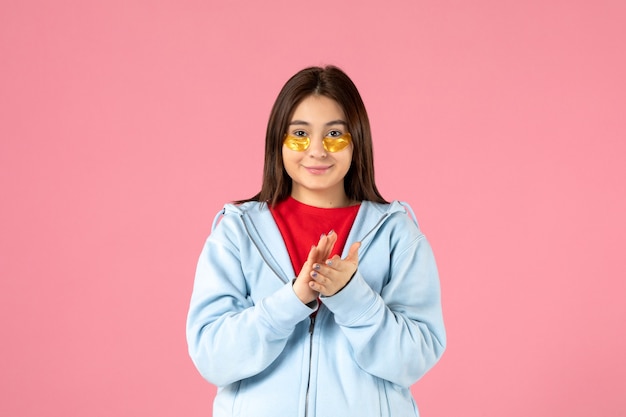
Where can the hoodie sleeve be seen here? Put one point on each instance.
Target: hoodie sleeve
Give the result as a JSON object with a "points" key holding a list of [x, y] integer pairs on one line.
{"points": [[397, 334], [229, 337]]}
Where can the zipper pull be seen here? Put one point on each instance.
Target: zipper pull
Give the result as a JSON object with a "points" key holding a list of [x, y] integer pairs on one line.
{"points": [[312, 324]]}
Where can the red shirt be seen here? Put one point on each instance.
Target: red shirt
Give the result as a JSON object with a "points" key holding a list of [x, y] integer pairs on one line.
{"points": [[301, 227]]}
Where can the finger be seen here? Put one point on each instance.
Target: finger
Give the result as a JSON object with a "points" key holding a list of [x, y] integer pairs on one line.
{"points": [[319, 278], [315, 286], [320, 284], [330, 243], [320, 248], [311, 258], [325, 246], [312, 254], [333, 262], [325, 284]]}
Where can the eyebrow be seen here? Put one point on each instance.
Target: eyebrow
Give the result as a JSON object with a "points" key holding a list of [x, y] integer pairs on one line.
{"points": [[331, 123]]}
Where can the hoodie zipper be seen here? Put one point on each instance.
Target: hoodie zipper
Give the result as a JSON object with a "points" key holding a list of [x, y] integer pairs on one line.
{"points": [[308, 382]]}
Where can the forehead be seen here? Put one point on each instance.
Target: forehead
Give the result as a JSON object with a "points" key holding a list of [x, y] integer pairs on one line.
{"points": [[317, 109]]}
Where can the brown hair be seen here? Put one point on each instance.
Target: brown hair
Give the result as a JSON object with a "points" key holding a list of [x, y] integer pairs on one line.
{"points": [[333, 83]]}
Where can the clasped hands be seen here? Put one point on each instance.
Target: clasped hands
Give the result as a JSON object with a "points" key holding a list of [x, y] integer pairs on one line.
{"points": [[320, 275]]}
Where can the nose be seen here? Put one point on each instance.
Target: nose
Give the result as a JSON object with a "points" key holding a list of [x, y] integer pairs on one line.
{"points": [[316, 148]]}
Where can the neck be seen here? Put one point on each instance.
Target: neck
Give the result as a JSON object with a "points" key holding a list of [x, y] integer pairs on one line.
{"points": [[322, 200]]}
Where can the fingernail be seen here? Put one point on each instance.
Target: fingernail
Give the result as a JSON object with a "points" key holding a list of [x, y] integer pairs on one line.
{"points": [[331, 232], [316, 267], [313, 274], [323, 234], [329, 262]]}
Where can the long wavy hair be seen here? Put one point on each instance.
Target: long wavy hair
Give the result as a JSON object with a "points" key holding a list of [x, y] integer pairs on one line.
{"points": [[333, 83]]}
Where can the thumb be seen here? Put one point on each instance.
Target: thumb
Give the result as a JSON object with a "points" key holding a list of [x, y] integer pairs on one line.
{"points": [[353, 253]]}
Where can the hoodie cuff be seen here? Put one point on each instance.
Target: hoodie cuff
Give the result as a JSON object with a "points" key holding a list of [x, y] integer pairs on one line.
{"points": [[283, 310], [353, 302]]}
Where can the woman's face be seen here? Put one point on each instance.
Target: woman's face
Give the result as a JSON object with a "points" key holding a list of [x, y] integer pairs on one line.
{"points": [[317, 175]]}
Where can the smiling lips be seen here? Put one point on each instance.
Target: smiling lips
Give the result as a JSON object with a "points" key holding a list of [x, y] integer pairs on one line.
{"points": [[318, 170]]}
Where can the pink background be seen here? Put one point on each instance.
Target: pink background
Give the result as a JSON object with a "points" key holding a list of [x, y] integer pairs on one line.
{"points": [[125, 125]]}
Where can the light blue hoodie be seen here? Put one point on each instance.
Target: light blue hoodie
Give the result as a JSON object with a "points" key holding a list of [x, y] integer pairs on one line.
{"points": [[249, 334]]}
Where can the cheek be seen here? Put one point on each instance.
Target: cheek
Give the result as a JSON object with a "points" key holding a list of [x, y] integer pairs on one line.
{"points": [[289, 161], [286, 159], [348, 159]]}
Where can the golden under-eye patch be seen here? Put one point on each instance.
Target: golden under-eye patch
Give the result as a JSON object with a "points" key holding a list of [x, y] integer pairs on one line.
{"points": [[331, 144]]}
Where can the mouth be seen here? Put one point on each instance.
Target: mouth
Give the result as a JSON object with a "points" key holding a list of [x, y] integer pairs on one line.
{"points": [[318, 170]]}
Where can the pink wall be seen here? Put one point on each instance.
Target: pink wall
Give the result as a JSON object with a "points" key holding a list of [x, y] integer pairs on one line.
{"points": [[125, 125]]}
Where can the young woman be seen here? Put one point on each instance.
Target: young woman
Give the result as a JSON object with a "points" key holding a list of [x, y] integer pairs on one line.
{"points": [[316, 297]]}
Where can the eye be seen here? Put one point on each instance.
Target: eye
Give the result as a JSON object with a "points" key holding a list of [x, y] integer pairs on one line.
{"points": [[334, 134], [300, 134]]}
